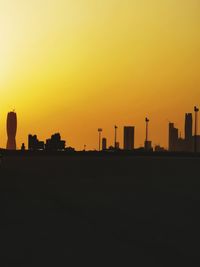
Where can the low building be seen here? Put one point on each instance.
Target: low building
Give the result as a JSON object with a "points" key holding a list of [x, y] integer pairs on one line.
{"points": [[55, 143]]}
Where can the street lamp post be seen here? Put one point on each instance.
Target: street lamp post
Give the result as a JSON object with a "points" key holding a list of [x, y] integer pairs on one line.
{"points": [[147, 128], [115, 143]]}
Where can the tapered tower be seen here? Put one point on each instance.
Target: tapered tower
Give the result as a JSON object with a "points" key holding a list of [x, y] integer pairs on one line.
{"points": [[11, 130]]}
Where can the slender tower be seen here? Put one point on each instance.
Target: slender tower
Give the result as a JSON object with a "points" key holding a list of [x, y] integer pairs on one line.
{"points": [[11, 130], [147, 143], [188, 132]]}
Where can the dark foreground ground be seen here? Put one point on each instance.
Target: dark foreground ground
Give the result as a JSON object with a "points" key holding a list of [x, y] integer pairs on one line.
{"points": [[100, 211]]}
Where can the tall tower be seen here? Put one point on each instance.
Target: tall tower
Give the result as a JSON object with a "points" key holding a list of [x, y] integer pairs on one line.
{"points": [[188, 132], [11, 130], [188, 126], [173, 137], [147, 143], [129, 132]]}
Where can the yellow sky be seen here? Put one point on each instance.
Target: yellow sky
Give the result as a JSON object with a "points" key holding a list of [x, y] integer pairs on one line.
{"points": [[76, 65]]}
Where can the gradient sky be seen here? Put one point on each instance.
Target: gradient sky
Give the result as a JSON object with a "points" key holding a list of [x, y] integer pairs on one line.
{"points": [[76, 65]]}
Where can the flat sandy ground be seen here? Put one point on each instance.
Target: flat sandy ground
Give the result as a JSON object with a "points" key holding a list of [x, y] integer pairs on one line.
{"points": [[100, 211]]}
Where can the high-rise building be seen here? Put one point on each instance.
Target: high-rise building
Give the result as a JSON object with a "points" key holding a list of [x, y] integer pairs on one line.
{"points": [[188, 126], [173, 137], [104, 143], [188, 132], [129, 136], [11, 130]]}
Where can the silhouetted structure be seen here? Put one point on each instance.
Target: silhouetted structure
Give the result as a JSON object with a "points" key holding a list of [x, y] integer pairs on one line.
{"points": [[104, 143], [55, 143], [11, 130], [100, 131], [188, 126], [159, 148], [147, 143], [115, 141], [34, 144], [188, 132], [173, 137], [196, 110], [129, 135], [197, 143], [148, 146], [147, 128], [23, 148], [181, 145], [117, 145], [70, 149]]}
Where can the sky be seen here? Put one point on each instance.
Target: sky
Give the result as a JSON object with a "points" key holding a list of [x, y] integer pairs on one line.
{"points": [[72, 66]]}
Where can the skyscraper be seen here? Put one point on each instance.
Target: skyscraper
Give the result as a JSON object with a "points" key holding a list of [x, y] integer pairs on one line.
{"points": [[188, 132], [173, 137], [188, 126], [11, 130], [129, 136]]}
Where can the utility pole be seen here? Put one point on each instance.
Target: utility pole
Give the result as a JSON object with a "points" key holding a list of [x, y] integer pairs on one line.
{"points": [[115, 143], [100, 131], [196, 110]]}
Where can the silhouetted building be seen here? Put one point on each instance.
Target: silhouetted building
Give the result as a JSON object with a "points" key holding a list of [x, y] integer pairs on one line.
{"points": [[104, 143], [197, 140], [188, 126], [111, 148], [188, 132], [173, 137], [159, 148], [70, 149], [11, 130], [55, 143], [34, 144], [129, 135], [180, 146], [197, 143]]}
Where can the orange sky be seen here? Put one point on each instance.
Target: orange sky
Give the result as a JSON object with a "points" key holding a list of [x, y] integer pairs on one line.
{"points": [[76, 65]]}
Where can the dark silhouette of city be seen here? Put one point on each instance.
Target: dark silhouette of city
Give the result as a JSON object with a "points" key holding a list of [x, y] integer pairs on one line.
{"points": [[111, 206], [176, 143]]}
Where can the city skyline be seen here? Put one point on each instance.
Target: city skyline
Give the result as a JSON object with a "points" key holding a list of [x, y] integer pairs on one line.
{"points": [[75, 66], [188, 142]]}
